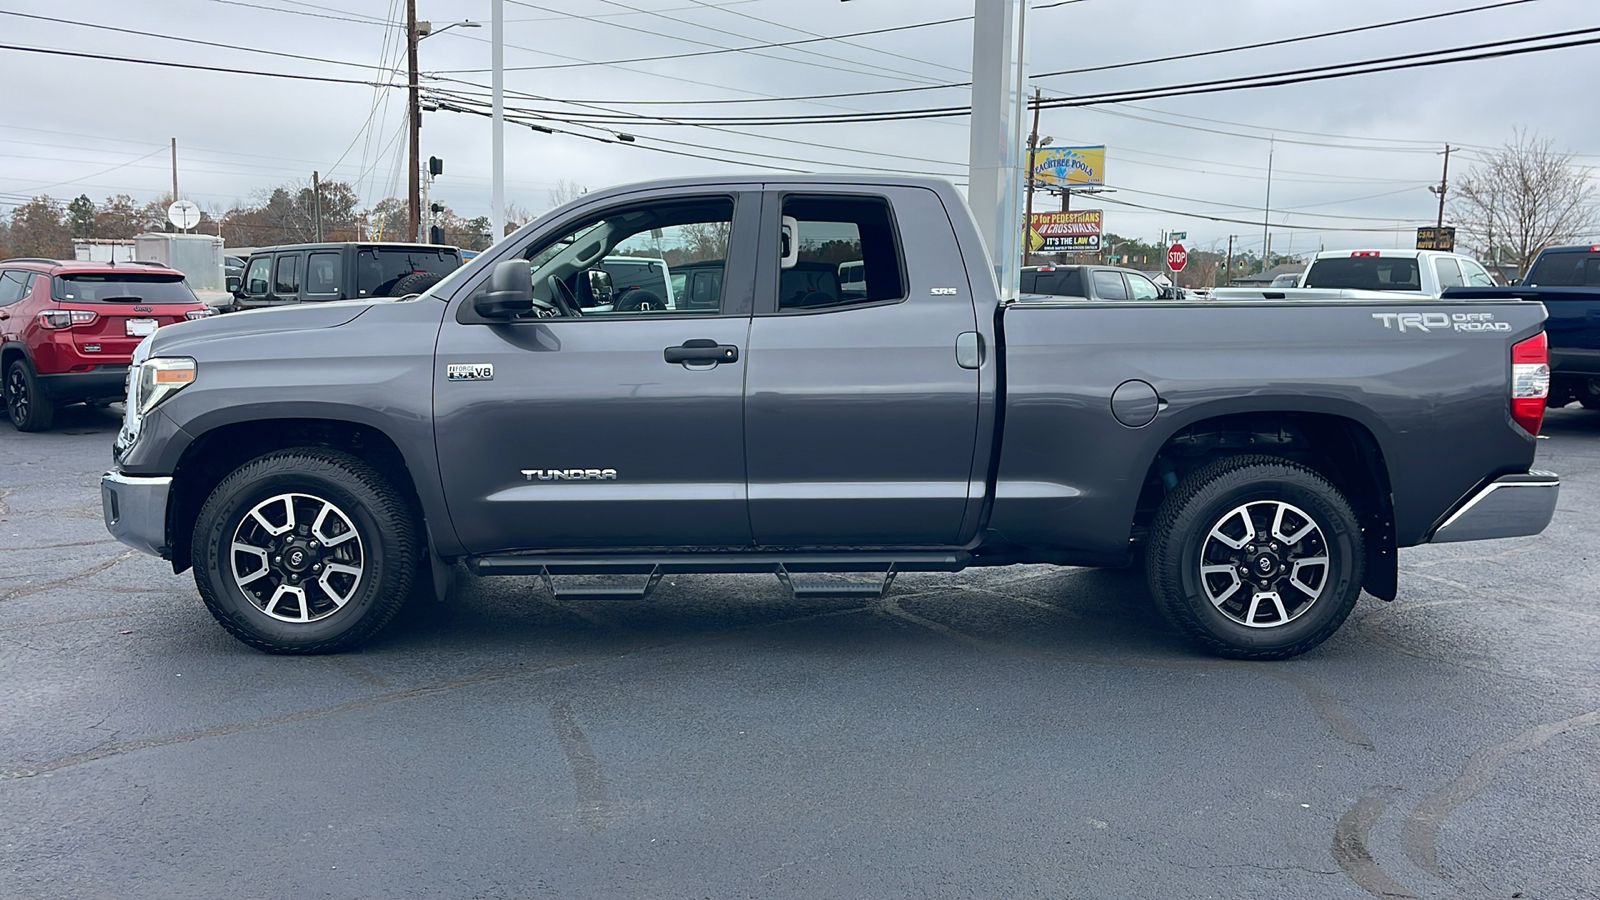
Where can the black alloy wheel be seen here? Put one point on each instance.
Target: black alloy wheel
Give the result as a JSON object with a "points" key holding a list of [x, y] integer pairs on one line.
{"points": [[308, 550], [26, 404], [1256, 557]]}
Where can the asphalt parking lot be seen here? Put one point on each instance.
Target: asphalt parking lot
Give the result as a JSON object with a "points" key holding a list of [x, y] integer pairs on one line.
{"points": [[1022, 732]]}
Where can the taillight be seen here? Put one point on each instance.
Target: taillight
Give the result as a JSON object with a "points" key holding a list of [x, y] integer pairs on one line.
{"points": [[65, 318], [1530, 382], [1364, 253], [193, 314]]}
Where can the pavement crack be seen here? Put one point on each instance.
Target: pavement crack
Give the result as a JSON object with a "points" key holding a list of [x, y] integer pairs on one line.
{"points": [[587, 778], [1350, 850], [47, 585], [1420, 836]]}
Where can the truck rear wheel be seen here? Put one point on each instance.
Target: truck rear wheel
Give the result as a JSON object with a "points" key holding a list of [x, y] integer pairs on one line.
{"points": [[304, 551], [1255, 557]]}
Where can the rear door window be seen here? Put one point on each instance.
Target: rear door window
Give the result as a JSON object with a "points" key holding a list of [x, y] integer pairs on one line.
{"points": [[286, 280], [13, 287], [1449, 273], [1108, 286], [323, 272], [835, 233]]}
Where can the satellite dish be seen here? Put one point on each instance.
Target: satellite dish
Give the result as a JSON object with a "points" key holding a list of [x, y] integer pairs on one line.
{"points": [[184, 214]]}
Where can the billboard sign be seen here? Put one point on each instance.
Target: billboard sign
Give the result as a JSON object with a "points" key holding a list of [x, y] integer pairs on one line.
{"points": [[1061, 166], [1059, 232], [1436, 238]]}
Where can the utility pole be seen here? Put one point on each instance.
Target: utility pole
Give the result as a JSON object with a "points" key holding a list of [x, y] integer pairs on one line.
{"points": [[414, 125], [174, 170], [1266, 212], [1033, 147], [316, 206], [1227, 270], [1444, 184]]}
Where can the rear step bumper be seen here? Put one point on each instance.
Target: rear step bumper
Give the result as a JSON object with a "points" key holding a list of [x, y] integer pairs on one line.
{"points": [[1510, 506]]}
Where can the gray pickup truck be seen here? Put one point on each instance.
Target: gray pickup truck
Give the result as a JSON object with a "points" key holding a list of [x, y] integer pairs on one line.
{"points": [[314, 464]]}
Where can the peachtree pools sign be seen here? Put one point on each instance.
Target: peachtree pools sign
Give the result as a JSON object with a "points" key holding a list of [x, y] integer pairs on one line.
{"points": [[1070, 165]]}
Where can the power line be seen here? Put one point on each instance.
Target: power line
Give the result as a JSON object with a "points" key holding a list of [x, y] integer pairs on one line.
{"points": [[1281, 41], [73, 54], [717, 52], [184, 40], [1255, 223], [1425, 59]]}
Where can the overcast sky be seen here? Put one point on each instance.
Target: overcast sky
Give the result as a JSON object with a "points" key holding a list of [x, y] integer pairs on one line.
{"points": [[72, 125]]}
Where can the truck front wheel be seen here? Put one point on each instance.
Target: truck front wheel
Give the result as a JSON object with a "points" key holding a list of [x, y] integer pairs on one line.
{"points": [[1255, 557], [304, 551]]}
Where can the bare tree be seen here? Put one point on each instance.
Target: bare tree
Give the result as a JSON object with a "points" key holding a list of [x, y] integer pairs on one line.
{"points": [[565, 192], [1522, 198], [518, 216]]}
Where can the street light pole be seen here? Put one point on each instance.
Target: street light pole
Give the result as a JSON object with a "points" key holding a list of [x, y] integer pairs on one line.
{"points": [[414, 125], [497, 190], [994, 155]]}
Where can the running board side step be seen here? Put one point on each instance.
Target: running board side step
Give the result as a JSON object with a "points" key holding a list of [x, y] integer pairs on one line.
{"points": [[806, 575], [753, 563]]}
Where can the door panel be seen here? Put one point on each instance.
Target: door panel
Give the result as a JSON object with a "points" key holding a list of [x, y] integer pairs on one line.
{"points": [[860, 426], [586, 436]]}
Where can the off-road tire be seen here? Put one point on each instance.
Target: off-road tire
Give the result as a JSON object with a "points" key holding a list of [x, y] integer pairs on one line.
{"points": [[415, 283], [382, 520], [27, 404], [1200, 503]]}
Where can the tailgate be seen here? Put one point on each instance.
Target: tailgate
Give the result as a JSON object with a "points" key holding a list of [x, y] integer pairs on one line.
{"points": [[119, 327]]}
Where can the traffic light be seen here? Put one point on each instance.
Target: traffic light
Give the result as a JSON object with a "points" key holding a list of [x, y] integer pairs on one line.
{"points": [[435, 235], [437, 208], [435, 166]]}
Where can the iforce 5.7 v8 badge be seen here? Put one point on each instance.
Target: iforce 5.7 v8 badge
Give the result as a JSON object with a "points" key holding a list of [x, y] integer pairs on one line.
{"points": [[469, 372]]}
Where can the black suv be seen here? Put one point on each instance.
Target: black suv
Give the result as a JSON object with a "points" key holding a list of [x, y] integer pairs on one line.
{"points": [[295, 273]]}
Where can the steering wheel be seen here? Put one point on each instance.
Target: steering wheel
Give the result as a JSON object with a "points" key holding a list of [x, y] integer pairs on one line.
{"points": [[563, 297]]}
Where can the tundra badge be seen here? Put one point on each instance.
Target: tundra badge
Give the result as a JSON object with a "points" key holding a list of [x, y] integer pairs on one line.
{"points": [[469, 372]]}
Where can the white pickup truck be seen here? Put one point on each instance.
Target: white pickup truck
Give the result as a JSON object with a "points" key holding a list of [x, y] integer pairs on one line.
{"points": [[1373, 275]]}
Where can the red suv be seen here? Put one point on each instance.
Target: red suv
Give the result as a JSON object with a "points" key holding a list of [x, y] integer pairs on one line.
{"points": [[68, 329]]}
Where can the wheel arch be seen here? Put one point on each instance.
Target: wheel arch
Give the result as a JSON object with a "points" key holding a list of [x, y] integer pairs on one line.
{"points": [[13, 350], [216, 452], [1340, 447]]}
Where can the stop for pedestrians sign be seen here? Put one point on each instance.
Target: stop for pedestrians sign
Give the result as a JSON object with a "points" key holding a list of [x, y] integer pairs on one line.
{"points": [[1177, 257]]}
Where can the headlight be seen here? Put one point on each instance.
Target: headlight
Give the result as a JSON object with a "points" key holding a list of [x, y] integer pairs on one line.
{"points": [[159, 379]]}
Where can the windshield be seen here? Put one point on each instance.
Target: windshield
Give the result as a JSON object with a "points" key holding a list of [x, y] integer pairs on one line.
{"points": [[1365, 273], [1566, 269], [381, 267], [116, 287]]}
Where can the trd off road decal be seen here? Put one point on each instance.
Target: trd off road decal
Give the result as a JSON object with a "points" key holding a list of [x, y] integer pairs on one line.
{"points": [[1438, 321]]}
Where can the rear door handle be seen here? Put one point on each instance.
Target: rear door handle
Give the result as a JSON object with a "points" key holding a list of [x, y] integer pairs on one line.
{"points": [[701, 350]]}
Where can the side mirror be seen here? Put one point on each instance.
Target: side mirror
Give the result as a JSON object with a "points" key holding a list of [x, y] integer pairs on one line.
{"points": [[510, 291], [600, 287], [231, 285]]}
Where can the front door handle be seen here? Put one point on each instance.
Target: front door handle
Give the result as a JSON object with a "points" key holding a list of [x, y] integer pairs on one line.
{"points": [[701, 350]]}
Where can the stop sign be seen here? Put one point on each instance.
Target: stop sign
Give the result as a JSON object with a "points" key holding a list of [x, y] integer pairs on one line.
{"points": [[1177, 257]]}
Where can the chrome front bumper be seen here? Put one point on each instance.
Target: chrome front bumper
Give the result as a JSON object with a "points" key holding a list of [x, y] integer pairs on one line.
{"points": [[1510, 506], [135, 510]]}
